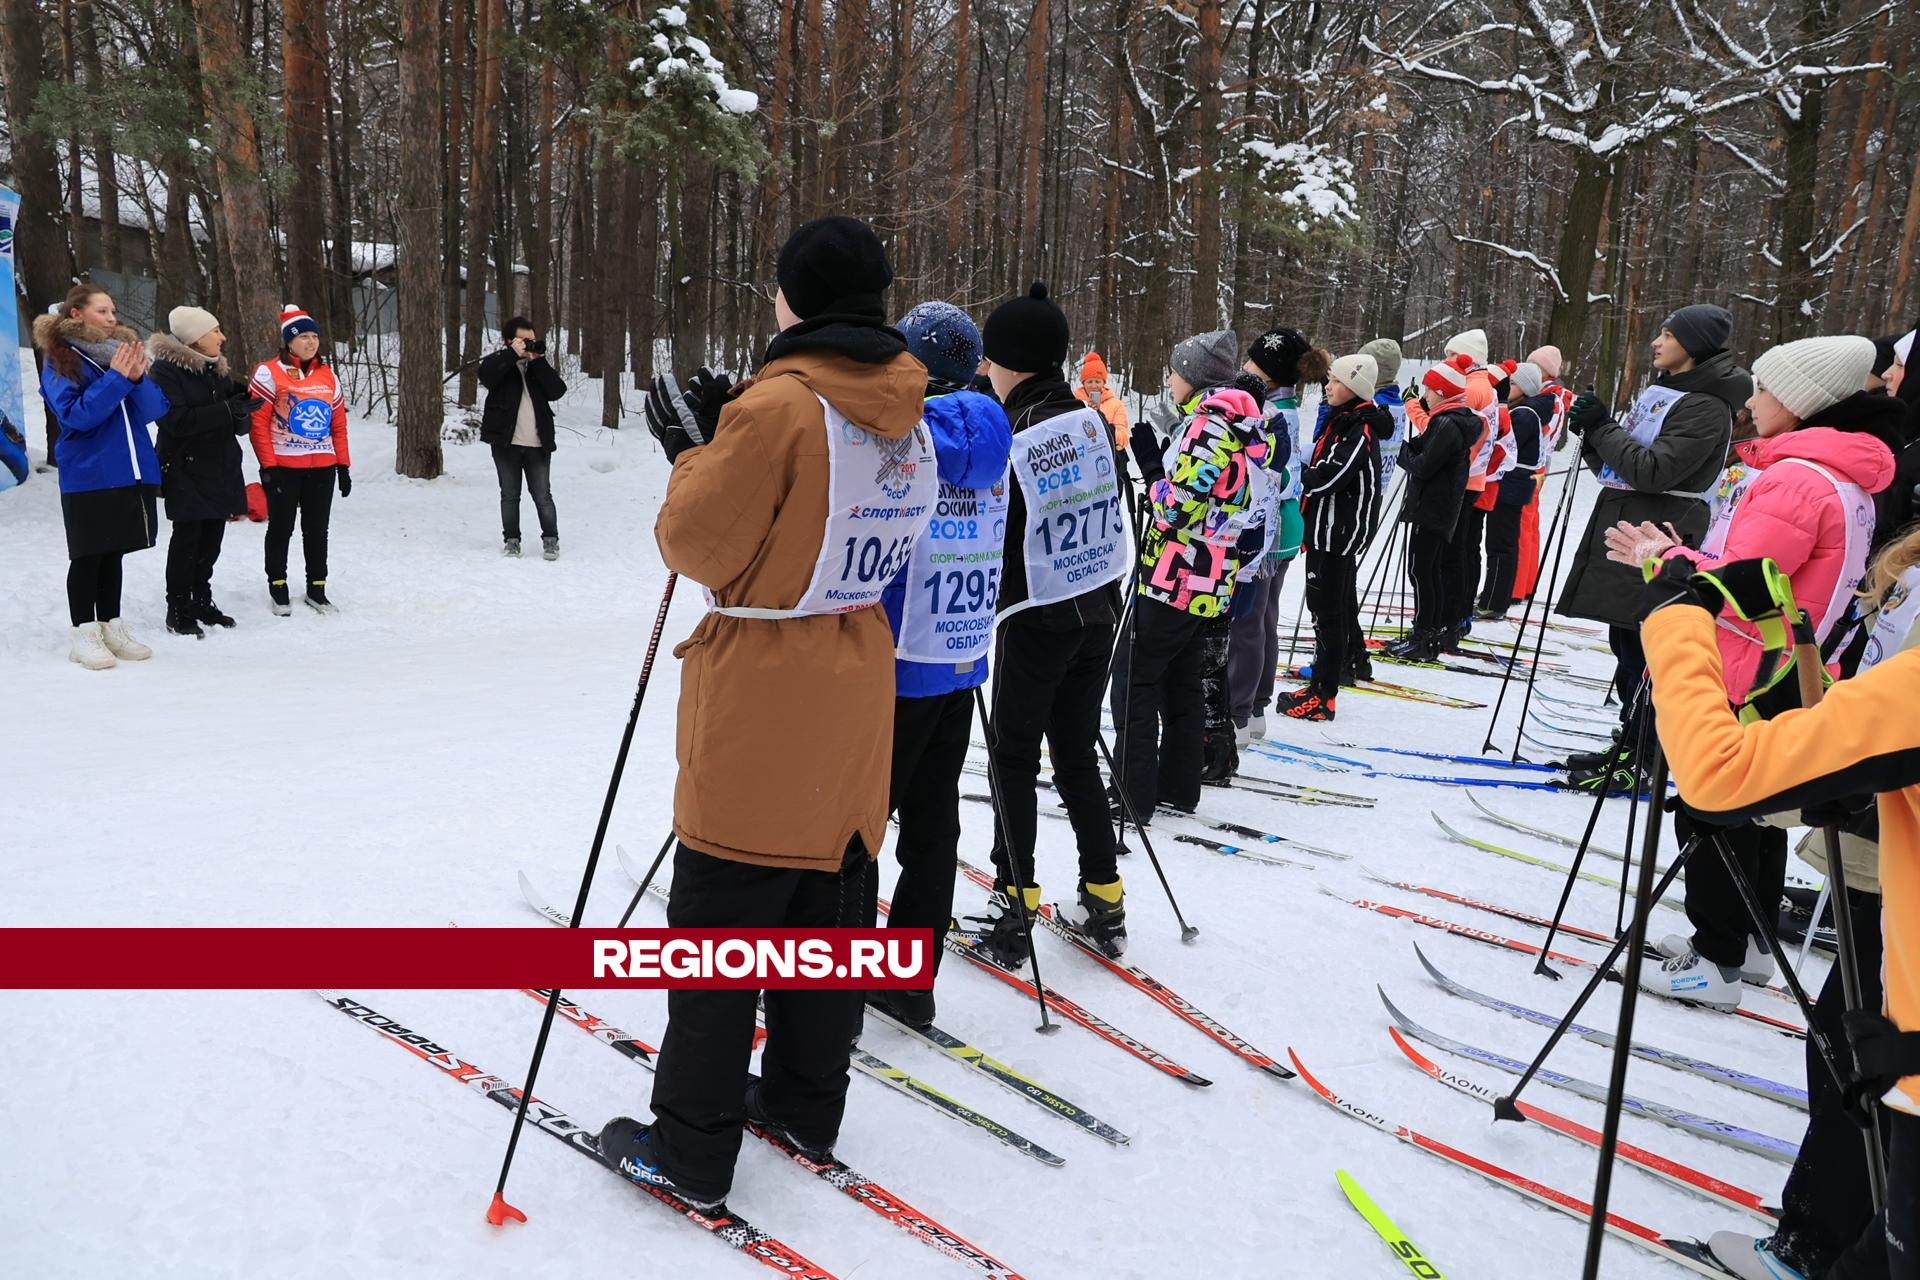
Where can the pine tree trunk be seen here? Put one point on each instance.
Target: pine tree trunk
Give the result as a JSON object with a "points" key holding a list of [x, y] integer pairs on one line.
{"points": [[253, 326], [957, 142], [1579, 232], [417, 428], [539, 227], [304, 117], [480, 211], [42, 250], [1206, 183], [343, 127], [105, 163]]}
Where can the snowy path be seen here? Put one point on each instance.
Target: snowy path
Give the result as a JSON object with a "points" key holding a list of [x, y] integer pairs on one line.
{"points": [[395, 765]]}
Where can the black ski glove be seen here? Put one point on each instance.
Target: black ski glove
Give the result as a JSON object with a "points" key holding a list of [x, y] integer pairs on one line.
{"points": [[1677, 584], [345, 480], [1588, 411], [243, 405], [672, 420], [1883, 1056], [706, 393]]}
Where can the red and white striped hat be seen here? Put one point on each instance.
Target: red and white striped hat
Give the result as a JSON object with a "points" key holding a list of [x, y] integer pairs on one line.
{"points": [[294, 322], [1449, 377]]}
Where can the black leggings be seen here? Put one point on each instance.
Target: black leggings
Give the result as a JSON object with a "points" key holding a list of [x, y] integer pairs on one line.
{"points": [[93, 588]]}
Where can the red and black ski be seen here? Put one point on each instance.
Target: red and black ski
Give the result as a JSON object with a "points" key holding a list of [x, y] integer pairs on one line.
{"points": [[722, 1223]]}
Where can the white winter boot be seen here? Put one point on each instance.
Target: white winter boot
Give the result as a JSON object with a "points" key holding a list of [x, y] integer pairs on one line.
{"points": [[1695, 979], [121, 643], [89, 649]]}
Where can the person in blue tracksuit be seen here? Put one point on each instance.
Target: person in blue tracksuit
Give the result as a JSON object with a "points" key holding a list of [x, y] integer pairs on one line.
{"points": [[941, 607], [93, 377]]}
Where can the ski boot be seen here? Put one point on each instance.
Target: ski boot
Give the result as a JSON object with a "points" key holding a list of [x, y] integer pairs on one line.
{"points": [[1006, 941], [1359, 672], [1100, 915], [317, 597], [1117, 812], [1757, 968], [1586, 761], [915, 1008], [1627, 781], [626, 1147], [818, 1153], [1753, 1259], [1695, 979], [281, 602], [1257, 727], [1304, 704]]}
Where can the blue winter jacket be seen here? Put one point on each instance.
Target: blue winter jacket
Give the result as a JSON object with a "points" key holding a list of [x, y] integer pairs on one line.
{"points": [[104, 441], [972, 441]]}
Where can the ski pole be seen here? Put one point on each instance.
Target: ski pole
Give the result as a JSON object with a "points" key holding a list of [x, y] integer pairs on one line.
{"points": [[1549, 585], [647, 879], [1506, 1108], [499, 1211], [1187, 932], [1813, 925], [1526, 616], [1610, 764], [1807, 666], [1047, 1025], [1635, 943]]}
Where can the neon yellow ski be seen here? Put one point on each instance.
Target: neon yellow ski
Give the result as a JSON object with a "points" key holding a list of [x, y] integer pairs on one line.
{"points": [[1403, 1248]]}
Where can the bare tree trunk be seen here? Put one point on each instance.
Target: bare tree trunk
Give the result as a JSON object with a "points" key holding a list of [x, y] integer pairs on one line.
{"points": [[253, 327], [536, 204], [486, 93], [814, 112], [1579, 232], [418, 424], [304, 117], [105, 163], [456, 70], [1206, 183], [344, 126], [44, 253], [1028, 237], [957, 183]]}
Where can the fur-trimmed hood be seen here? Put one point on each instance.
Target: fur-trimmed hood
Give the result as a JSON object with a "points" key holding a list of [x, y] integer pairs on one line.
{"points": [[56, 337], [164, 346]]}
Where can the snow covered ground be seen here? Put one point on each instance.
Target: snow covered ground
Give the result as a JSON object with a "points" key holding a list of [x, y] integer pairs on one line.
{"points": [[398, 763]]}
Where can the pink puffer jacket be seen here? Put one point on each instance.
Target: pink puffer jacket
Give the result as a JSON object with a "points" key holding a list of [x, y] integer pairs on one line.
{"points": [[1791, 514]]}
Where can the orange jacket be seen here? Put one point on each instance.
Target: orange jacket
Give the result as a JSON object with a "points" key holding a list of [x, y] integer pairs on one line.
{"points": [[304, 422], [1114, 410], [1480, 398], [1849, 744]]}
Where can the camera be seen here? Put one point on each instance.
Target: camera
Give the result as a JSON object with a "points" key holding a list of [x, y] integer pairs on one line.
{"points": [[536, 347]]}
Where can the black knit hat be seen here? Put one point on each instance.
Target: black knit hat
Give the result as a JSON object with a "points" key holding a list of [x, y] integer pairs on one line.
{"points": [[1702, 328], [1027, 335], [832, 266], [1277, 351]]}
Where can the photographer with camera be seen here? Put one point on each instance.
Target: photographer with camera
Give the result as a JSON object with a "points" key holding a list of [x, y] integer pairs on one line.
{"points": [[517, 424]]}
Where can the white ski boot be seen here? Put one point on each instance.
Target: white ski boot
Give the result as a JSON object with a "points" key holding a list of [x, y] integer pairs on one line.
{"points": [[1695, 979], [1748, 1258]]}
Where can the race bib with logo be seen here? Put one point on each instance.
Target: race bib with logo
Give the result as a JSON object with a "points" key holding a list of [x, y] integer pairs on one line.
{"points": [[1894, 621], [1076, 534], [880, 495], [1643, 423], [953, 577]]}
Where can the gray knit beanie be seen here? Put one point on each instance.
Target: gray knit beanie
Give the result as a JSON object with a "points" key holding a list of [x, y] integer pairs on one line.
{"points": [[1386, 358], [1207, 359]]}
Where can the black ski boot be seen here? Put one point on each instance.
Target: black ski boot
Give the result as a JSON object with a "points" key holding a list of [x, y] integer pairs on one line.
{"points": [[1101, 915], [915, 1008], [817, 1152], [181, 620], [626, 1147], [281, 601], [1587, 761], [317, 597], [1006, 941]]}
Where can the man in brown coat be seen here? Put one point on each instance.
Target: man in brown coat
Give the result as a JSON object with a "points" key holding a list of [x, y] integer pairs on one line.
{"points": [[795, 504]]}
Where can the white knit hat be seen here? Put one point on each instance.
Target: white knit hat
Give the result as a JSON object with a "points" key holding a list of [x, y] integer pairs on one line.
{"points": [[1359, 374], [1529, 377], [190, 324], [1809, 375], [1471, 343]]}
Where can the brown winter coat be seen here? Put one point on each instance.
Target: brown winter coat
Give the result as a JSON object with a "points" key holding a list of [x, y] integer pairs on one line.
{"points": [[786, 726]]}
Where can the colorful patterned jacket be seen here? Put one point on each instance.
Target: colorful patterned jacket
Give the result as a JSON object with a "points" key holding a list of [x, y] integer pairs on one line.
{"points": [[1200, 507]]}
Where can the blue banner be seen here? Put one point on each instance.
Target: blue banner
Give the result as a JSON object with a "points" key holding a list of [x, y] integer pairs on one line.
{"points": [[13, 412]]}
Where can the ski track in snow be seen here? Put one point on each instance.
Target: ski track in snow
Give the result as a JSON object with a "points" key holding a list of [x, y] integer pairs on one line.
{"points": [[397, 763]]}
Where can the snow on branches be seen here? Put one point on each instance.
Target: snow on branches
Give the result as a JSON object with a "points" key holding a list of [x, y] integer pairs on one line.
{"points": [[1311, 191], [677, 58]]}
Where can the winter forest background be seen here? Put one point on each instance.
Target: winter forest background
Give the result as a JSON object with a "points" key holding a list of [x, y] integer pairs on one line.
{"points": [[1555, 170]]}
